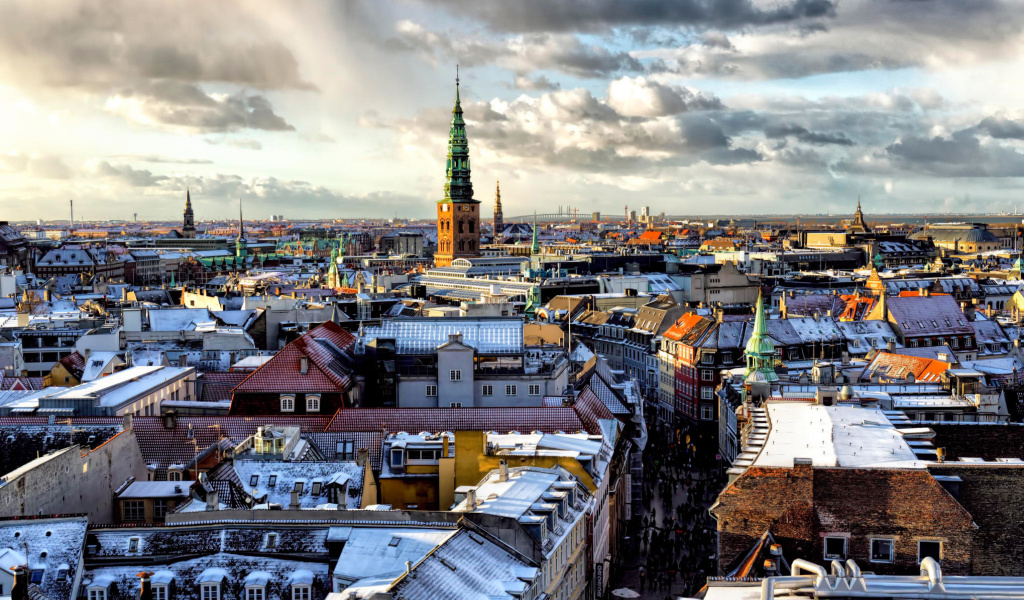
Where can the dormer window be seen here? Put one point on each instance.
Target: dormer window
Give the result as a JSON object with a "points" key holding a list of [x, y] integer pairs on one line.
{"points": [[397, 458], [313, 403], [255, 593], [316, 488], [273, 481], [133, 544], [174, 475], [254, 481], [207, 591], [271, 540], [161, 592], [62, 573], [298, 486], [287, 403], [35, 576], [98, 594], [300, 592]]}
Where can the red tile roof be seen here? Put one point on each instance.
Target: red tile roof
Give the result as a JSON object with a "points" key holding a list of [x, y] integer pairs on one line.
{"points": [[326, 348], [897, 366]]}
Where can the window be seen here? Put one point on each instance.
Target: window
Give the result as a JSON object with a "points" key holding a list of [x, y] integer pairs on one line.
{"points": [[316, 488], [487, 390], [100, 594], [534, 390], [394, 541], [707, 394], [455, 405], [133, 510], [835, 548], [174, 475], [956, 342], [287, 403], [397, 459], [271, 540], [431, 390], [35, 576], [62, 576], [299, 485], [299, 592], [255, 593], [209, 591], [159, 509], [707, 375], [707, 412], [160, 592], [455, 375], [345, 450], [932, 548], [881, 551], [707, 359], [511, 390], [254, 481], [273, 481], [313, 403]]}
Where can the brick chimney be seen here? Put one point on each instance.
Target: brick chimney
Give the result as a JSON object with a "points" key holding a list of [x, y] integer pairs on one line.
{"points": [[19, 591], [294, 505], [145, 586]]}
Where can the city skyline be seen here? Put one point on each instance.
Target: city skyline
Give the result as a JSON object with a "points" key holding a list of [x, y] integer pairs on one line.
{"points": [[340, 111]]}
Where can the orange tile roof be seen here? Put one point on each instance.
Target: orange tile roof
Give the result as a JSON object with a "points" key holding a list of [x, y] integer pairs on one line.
{"points": [[897, 366]]}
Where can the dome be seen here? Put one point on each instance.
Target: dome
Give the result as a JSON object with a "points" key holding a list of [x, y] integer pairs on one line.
{"points": [[955, 232]]}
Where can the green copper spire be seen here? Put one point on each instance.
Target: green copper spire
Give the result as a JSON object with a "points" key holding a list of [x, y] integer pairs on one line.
{"points": [[457, 185], [535, 248], [760, 350]]}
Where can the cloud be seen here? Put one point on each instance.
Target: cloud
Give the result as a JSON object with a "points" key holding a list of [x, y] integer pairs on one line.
{"points": [[241, 143], [37, 165], [596, 15], [643, 97], [525, 82], [810, 137], [154, 158], [1002, 127], [116, 43], [521, 53], [178, 105], [123, 173]]}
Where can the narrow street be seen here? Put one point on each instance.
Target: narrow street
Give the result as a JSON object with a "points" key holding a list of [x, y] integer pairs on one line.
{"points": [[669, 550]]}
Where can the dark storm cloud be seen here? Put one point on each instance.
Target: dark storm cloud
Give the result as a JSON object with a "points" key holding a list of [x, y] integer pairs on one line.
{"points": [[596, 15], [810, 137], [186, 105], [960, 155], [541, 83], [1002, 128]]}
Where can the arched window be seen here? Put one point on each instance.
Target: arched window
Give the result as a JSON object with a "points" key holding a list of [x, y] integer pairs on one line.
{"points": [[462, 245], [461, 223], [472, 245], [472, 226]]}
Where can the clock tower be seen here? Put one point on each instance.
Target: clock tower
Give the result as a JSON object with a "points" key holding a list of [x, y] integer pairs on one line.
{"points": [[458, 214]]}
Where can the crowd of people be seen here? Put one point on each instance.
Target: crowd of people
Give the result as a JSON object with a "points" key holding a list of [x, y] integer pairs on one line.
{"points": [[673, 542]]}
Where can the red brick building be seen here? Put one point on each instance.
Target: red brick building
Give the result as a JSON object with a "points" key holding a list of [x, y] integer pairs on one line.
{"points": [[312, 375]]}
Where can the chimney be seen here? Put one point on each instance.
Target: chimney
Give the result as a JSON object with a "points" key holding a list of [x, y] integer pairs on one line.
{"points": [[86, 353], [170, 419], [471, 499], [294, 504], [19, 590], [211, 500], [890, 345], [145, 586], [408, 567], [362, 456], [446, 445], [503, 470], [940, 454], [304, 365]]}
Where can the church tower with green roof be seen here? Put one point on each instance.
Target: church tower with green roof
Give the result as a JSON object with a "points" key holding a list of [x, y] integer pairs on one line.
{"points": [[760, 350], [458, 214]]}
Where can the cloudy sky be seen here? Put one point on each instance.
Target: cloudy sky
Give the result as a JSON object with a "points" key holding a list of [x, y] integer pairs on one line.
{"points": [[310, 108]]}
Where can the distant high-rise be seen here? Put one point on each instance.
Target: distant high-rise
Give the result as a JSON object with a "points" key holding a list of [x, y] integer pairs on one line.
{"points": [[188, 224], [499, 218], [458, 214]]}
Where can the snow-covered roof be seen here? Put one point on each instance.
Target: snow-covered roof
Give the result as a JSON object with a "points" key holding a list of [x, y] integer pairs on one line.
{"points": [[154, 489], [382, 551], [423, 335], [833, 436]]}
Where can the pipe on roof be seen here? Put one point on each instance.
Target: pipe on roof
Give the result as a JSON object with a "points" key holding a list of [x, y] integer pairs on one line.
{"points": [[930, 568], [801, 566]]}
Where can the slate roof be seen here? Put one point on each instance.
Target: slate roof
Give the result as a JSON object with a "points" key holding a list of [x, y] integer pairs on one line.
{"points": [[928, 315], [468, 566], [52, 542], [547, 419], [327, 347], [287, 474]]}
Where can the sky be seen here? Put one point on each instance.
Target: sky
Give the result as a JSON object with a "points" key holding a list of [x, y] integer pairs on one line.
{"points": [[321, 109]]}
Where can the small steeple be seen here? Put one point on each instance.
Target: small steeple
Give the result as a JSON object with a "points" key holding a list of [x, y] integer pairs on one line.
{"points": [[499, 217], [760, 349], [535, 247], [241, 246]]}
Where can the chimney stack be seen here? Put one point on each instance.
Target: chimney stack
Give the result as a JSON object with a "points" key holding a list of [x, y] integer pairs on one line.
{"points": [[503, 470], [362, 456], [19, 590], [471, 500], [211, 500], [145, 586], [294, 505]]}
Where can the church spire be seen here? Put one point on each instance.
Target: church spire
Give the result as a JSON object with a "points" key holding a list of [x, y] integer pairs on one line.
{"points": [[188, 221], [499, 217], [241, 246], [457, 186], [535, 247], [760, 350]]}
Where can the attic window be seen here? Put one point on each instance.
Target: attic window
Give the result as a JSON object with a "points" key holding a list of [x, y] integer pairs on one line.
{"points": [[62, 575], [254, 481], [298, 486], [36, 576], [316, 488], [133, 544], [273, 481], [394, 541], [271, 540]]}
